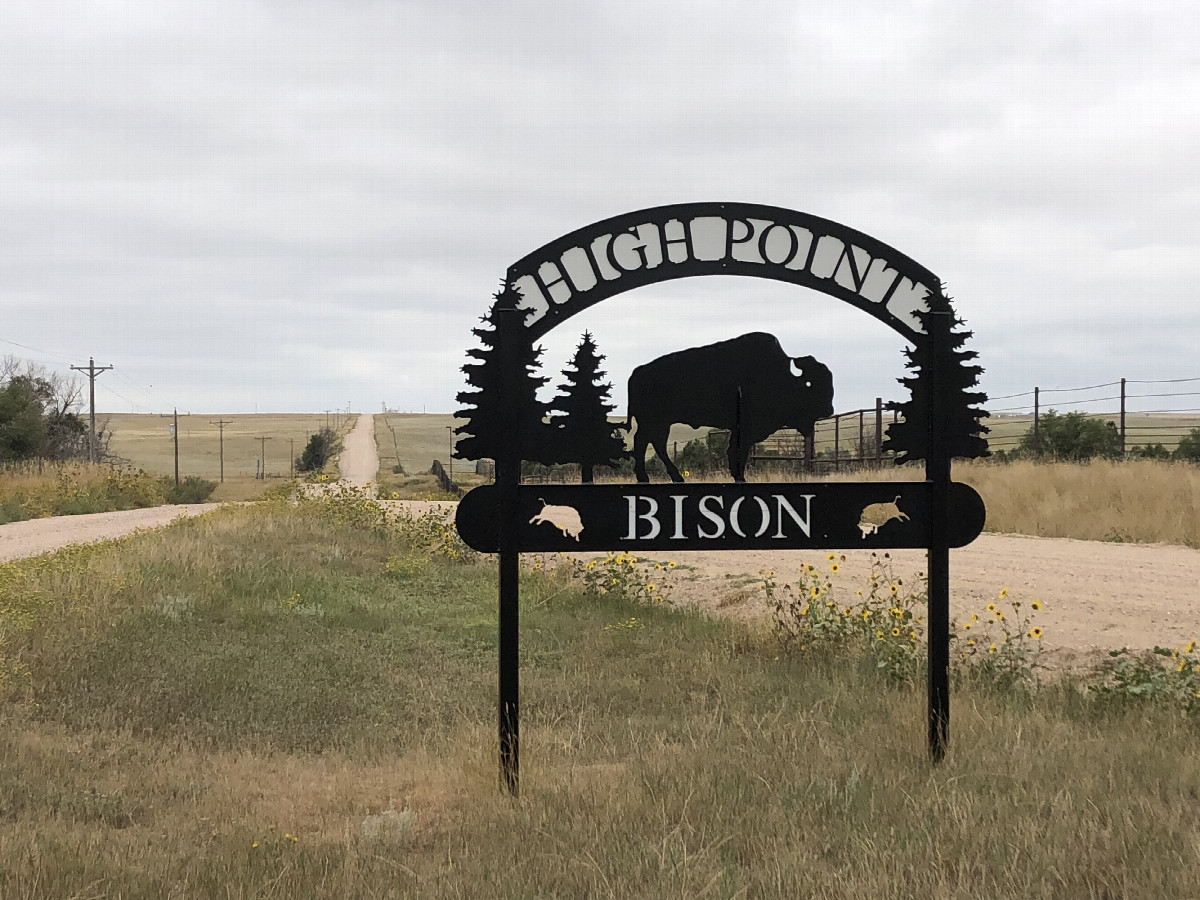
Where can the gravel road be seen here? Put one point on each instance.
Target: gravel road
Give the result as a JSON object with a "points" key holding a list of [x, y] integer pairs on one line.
{"points": [[359, 462], [36, 536]]}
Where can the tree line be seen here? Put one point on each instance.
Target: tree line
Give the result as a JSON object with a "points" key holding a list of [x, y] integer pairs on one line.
{"points": [[40, 416]]}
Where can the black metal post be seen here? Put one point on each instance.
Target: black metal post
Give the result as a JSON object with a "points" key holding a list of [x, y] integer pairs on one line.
{"points": [[508, 478], [861, 455], [1037, 443], [937, 473], [837, 443], [1122, 418], [878, 432]]}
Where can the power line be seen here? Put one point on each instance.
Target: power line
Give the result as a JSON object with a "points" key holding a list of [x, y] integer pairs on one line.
{"points": [[1163, 381], [36, 350], [127, 400], [1090, 387]]}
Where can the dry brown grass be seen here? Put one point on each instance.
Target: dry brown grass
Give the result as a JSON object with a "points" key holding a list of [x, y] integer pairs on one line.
{"points": [[1138, 501], [145, 441]]}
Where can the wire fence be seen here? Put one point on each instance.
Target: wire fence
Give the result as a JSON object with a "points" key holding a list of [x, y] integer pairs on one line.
{"points": [[1146, 412]]}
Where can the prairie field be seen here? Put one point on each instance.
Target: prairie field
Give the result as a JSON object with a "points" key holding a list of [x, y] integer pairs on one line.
{"points": [[299, 701], [146, 442]]}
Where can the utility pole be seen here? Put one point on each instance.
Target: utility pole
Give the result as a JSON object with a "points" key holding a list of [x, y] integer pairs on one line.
{"points": [[291, 457], [262, 442], [175, 437], [92, 371], [221, 423]]}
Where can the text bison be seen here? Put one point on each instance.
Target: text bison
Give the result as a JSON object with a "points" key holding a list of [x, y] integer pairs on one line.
{"points": [[747, 385]]}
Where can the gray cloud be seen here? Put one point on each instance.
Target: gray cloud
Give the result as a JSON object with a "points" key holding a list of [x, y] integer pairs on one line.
{"points": [[301, 204]]}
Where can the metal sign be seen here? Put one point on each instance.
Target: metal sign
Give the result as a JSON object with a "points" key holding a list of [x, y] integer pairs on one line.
{"points": [[747, 384], [671, 517], [616, 255]]}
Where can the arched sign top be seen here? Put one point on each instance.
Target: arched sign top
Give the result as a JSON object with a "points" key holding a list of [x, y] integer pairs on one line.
{"points": [[663, 243]]}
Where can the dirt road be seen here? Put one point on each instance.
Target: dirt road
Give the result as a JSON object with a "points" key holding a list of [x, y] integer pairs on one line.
{"points": [[359, 462]]}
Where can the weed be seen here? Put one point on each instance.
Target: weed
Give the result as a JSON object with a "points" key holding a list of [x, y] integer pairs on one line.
{"points": [[1171, 677]]}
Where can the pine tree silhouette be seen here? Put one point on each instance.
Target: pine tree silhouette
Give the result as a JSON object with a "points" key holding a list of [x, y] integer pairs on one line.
{"points": [[585, 435], [963, 435], [483, 411]]}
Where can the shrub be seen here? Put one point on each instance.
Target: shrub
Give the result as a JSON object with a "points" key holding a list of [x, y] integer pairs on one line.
{"points": [[1150, 451], [321, 448], [192, 489], [1189, 446], [702, 455], [1072, 436]]}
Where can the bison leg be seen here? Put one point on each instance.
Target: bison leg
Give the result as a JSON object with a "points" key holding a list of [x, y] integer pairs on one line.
{"points": [[738, 455], [639, 455]]}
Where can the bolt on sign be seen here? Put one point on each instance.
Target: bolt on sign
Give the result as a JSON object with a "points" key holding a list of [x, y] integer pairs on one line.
{"points": [[748, 385]]}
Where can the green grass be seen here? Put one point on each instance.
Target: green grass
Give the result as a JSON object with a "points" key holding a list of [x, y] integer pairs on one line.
{"points": [[263, 674]]}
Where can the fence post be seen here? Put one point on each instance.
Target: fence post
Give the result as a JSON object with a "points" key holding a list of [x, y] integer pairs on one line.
{"points": [[1123, 419], [861, 455], [878, 432], [1037, 441]]}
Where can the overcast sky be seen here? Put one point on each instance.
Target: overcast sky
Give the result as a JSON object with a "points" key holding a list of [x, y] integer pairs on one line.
{"points": [[295, 206]]}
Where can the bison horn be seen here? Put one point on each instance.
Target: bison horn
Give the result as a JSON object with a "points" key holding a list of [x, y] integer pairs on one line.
{"points": [[797, 370]]}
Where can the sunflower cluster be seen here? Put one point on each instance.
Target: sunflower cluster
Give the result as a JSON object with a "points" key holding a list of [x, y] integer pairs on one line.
{"points": [[626, 576], [1003, 644], [813, 614]]}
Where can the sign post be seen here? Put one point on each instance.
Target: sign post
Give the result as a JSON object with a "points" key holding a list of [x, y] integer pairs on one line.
{"points": [[508, 478], [746, 384]]}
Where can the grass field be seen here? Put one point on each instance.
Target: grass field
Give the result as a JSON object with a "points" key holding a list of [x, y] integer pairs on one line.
{"points": [[1137, 501], [289, 702], [146, 442]]}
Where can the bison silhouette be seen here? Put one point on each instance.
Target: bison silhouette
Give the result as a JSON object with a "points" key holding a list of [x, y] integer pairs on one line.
{"points": [[876, 515], [746, 384], [564, 518]]}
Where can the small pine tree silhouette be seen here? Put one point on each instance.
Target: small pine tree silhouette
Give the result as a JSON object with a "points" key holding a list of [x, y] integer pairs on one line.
{"points": [[483, 411], [963, 435], [584, 434]]}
